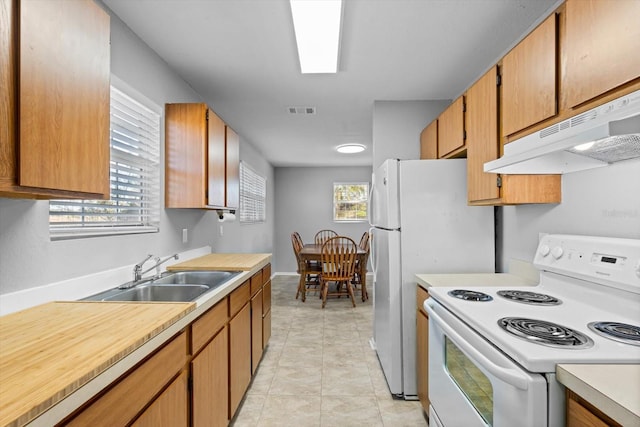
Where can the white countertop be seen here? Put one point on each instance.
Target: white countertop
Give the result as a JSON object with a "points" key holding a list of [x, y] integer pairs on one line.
{"points": [[613, 389], [473, 279]]}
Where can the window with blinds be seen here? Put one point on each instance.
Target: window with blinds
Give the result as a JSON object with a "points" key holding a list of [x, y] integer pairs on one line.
{"points": [[350, 201], [134, 206], [253, 195]]}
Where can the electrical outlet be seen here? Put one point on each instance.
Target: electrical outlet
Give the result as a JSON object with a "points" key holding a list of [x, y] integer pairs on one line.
{"points": [[185, 235]]}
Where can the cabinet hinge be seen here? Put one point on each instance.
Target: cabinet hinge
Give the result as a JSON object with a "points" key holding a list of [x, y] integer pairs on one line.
{"points": [[498, 79], [464, 135], [499, 181], [464, 107], [206, 114]]}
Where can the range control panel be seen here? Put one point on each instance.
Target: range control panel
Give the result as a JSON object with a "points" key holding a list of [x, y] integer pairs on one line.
{"points": [[605, 260]]}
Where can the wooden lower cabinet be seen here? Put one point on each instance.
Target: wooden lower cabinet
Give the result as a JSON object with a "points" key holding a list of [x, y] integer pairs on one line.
{"points": [[127, 398], [170, 409], [266, 312], [239, 357], [422, 340], [582, 414], [210, 373]]}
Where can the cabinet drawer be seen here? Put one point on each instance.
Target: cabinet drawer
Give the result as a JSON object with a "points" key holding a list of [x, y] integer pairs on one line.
{"points": [[207, 325], [266, 273], [256, 282], [238, 298], [170, 408], [136, 388], [421, 296]]}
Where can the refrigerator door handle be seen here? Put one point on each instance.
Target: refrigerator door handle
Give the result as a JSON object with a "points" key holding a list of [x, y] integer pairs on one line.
{"points": [[373, 253], [370, 205]]}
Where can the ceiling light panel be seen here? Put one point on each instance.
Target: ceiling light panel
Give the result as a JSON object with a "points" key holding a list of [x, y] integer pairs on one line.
{"points": [[317, 26]]}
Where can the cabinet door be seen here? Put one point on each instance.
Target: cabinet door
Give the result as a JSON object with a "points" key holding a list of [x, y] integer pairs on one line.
{"points": [[256, 330], [451, 129], [7, 95], [529, 79], [599, 48], [233, 169], [64, 92], [210, 371], [239, 357], [422, 344], [216, 160], [185, 155], [482, 137], [169, 409], [429, 141]]}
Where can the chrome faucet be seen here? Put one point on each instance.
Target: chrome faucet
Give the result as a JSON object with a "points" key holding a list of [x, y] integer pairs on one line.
{"points": [[159, 263], [137, 269]]}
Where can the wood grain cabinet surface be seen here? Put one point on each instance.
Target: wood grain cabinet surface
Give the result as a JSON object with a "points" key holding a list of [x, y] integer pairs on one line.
{"points": [[422, 340], [171, 408], [429, 141], [451, 135], [529, 79], [581, 413], [600, 48], [54, 108], [483, 145], [210, 376], [202, 159]]}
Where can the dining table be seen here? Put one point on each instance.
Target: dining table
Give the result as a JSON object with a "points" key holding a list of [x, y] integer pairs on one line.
{"points": [[313, 252]]}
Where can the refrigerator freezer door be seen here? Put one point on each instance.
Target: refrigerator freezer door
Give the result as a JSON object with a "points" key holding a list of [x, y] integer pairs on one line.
{"points": [[385, 205], [387, 306]]}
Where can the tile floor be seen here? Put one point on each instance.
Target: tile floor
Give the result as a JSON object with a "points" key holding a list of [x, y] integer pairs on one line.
{"points": [[319, 370]]}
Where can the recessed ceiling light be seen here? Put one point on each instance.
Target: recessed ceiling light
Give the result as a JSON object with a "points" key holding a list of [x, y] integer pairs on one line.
{"points": [[350, 148], [317, 27]]}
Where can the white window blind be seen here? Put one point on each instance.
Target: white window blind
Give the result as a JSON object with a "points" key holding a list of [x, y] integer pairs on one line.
{"points": [[134, 206], [253, 195]]}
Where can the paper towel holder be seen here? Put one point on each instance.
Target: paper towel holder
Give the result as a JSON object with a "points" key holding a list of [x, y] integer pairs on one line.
{"points": [[226, 215]]}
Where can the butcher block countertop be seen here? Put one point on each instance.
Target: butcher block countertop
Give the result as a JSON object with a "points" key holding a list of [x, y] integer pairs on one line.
{"points": [[234, 262], [613, 389], [49, 351]]}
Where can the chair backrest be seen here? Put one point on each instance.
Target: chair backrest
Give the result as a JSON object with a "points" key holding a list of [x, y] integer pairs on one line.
{"points": [[364, 242], [296, 235], [322, 236], [338, 258], [297, 246]]}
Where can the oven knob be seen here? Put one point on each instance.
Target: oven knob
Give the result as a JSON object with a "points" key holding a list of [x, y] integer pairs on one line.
{"points": [[557, 252], [544, 250]]}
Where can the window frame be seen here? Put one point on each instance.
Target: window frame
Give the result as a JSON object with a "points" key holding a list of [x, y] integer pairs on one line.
{"points": [[246, 197], [366, 201], [73, 231]]}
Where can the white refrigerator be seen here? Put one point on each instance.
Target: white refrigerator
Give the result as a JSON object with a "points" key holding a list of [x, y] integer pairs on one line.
{"points": [[420, 223]]}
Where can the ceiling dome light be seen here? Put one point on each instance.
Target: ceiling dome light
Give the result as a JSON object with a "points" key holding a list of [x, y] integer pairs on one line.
{"points": [[350, 148]]}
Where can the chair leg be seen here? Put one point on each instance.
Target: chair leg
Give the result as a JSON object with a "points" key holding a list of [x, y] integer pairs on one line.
{"points": [[350, 289], [325, 288]]}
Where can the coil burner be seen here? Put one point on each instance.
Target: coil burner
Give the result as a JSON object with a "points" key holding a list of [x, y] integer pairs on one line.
{"points": [[527, 297], [468, 295], [545, 333], [621, 332]]}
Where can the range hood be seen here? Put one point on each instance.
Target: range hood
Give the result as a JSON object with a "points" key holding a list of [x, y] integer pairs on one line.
{"points": [[598, 137]]}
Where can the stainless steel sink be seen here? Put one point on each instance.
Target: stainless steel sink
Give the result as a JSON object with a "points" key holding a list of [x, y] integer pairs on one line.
{"points": [[153, 292], [180, 286], [211, 278]]}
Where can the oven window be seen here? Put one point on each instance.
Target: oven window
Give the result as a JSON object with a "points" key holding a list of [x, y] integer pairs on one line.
{"points": [[473, 383]]}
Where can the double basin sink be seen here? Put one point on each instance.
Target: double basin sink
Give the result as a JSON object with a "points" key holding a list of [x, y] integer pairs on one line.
{"points": [[178, 286]]}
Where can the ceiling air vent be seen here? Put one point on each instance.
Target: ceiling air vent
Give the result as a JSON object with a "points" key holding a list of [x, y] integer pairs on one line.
{"points": [[302, 110]]}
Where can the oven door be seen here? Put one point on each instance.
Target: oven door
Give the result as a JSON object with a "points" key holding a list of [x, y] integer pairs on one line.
{"points": [[472, 383]]}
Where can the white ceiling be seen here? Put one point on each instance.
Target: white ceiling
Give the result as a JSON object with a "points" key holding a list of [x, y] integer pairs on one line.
{"points": [[240, 56]]}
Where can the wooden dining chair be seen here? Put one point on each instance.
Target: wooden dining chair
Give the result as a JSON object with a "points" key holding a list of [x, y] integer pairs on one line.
{"points": [[357, 277], [338, 258], [309, 272], [323, 235]]}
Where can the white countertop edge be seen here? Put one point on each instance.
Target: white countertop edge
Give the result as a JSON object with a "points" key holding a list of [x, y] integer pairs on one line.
{"points": [[472, 279], [573, 378], [62, 409]]}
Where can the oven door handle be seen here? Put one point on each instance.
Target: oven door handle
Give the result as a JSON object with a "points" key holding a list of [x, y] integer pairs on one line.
{"points": [[510, 376]]}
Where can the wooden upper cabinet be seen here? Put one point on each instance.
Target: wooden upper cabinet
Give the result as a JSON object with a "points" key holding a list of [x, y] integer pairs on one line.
{"points": [[217, 170], [232, 169], [55, 99], [429, 141], [199, 158], [529, 79], [483, 143], [600, 48], [451, 130]]}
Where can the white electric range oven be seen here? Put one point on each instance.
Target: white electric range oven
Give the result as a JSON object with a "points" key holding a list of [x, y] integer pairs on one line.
{"points": [[493, 351]]}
